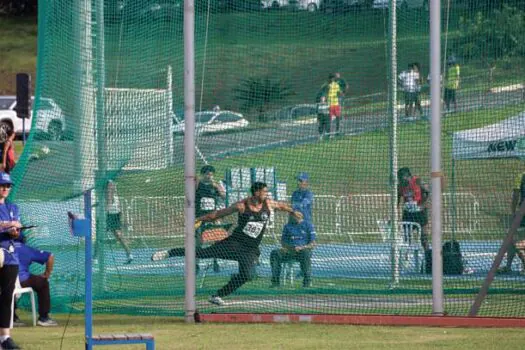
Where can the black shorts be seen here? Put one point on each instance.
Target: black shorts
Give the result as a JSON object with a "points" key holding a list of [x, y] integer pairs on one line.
{"points": [[410, 97], [113, 222], [449, 95], [230, 248]]}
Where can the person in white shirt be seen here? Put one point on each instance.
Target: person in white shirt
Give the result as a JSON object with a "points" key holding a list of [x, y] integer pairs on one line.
{"points": [[113, 218], [417, 69], [409, 81]]}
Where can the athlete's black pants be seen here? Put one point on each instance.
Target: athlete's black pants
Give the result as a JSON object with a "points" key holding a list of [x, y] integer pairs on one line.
{"points": [[8, 275], [228, 249]]}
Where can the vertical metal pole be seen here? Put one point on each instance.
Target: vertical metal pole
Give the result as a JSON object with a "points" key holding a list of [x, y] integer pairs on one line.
{"points": [[101, 176], [435, 149], [170, 114], [392, 105], [189, 159], [84, 116], [88, 322], [24, 129], [453, 199]]}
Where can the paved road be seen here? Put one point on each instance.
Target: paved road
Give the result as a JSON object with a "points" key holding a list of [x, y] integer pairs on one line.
{"points": [[289, 132]]}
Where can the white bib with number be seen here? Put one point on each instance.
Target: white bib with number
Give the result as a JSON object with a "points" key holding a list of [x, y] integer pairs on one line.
{"points": [[412, 207], [253, 229], [207, 203]]}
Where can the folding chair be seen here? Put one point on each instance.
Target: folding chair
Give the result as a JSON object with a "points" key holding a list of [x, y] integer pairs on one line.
{"points": [[409, 241], [208, 234]]}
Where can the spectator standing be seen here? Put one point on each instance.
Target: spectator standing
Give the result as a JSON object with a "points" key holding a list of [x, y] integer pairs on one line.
{"points": [[334, 92], [40, 283], [409, 82], [9, 230], [114, 218], [8, 152], [323, 91], [413, 195], [343, 86], [323, 118], [298, 242], [303, 197], [417, 69], [452, 79]]}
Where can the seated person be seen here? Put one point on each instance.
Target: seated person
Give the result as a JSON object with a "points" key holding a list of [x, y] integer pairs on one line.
{"points": [[39, 283], [298, 241]]}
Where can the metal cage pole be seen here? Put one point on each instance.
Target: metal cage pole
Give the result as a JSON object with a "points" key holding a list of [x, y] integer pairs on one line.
{"points": [[189, 159], [392, 105], [435, 155]]}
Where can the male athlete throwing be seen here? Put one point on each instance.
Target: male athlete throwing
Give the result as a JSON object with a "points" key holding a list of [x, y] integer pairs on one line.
{"points": [[243, 244]]}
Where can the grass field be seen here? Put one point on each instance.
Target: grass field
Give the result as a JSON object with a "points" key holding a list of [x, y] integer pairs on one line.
{"points": [[172, 333]]}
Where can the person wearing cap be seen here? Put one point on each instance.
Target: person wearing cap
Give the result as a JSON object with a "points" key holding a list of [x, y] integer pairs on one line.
{"points": [[298, 242], [302, 197], [9, 231], [451, 83], [208, 194], [412, 195]]}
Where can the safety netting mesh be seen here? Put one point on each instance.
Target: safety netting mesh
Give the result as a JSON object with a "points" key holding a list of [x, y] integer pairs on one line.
{"points": [[269, 74]]}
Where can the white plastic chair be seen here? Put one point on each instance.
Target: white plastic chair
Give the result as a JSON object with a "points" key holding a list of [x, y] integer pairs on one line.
{"points": [[408, 241], [288, 273], [19, 290]]}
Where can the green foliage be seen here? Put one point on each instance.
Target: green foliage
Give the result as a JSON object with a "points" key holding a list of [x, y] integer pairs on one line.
{"points": [[494, 37], [261, 93]]}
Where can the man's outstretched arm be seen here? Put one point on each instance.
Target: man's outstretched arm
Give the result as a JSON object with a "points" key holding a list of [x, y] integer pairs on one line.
{"points": [[214, 215]]}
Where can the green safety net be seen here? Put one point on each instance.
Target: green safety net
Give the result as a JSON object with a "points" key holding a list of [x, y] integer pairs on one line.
{"points": [[118, 83]]}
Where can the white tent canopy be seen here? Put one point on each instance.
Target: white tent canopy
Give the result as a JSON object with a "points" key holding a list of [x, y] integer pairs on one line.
{"points": [[500, 140]]}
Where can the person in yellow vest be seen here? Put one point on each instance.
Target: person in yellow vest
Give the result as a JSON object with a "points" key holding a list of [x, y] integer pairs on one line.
{"points": [[334, 92], [451, 83]]}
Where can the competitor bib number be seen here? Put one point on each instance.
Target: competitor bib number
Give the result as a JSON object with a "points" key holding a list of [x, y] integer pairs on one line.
{"points": [[207, 203], [412, 207], [253, 229]]}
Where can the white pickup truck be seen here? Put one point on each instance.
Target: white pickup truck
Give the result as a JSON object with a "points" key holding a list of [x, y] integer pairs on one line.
{"points": [[50, 122]]}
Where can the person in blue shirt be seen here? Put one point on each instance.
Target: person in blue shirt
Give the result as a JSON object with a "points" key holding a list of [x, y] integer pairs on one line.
{"points": [[298, 242], [302, 197], [9, 230], [40, 283]]}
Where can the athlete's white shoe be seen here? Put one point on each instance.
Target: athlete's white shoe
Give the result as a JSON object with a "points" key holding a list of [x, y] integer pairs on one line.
{"points": [[217, 300], [160, 255]]}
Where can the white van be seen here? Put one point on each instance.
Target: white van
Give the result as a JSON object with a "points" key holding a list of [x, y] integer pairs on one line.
{"points": [[50, 123]]}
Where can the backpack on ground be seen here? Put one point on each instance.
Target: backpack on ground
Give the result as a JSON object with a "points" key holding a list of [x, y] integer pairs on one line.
{"points": [[452, 259]]}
